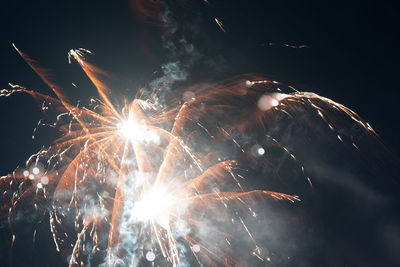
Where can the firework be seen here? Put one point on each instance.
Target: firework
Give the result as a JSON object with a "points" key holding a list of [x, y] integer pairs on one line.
{"points": [[220, 25], [150, 182]]}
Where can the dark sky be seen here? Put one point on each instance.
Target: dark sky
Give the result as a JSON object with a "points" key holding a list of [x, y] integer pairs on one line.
{"points": [[351, 57]]}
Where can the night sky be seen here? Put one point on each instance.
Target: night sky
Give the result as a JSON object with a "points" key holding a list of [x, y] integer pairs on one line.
{"points": [[351, 56]]}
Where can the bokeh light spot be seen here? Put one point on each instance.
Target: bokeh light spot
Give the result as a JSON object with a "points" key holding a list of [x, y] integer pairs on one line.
{"points": [[150, 256], [196, 248], [35, 170]]}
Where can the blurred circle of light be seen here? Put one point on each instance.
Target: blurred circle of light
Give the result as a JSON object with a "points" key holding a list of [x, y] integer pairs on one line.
{"points": [[196, 248], [188, 95], [150, 256], [26, 173], [35, 170], [44, 180], [154, 205], [31, 176], [39, 185], [266, 102], [257, 150]]}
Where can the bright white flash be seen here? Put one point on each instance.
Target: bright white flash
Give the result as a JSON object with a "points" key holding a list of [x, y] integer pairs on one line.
{"points": [[136, 131], [130, 129], [155, 205]]}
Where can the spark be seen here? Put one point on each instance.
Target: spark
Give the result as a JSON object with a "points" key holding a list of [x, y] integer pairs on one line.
{"points": [[220, 25]]}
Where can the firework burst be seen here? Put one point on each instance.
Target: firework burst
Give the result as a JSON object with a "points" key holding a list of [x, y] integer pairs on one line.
{"points": [[155, 183]]}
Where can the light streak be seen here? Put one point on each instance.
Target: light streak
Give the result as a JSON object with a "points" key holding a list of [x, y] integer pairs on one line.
{"points": [[220, 25]]}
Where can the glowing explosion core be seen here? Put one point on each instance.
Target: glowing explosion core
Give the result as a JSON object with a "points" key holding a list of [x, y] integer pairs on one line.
{"points": [[150, 181]]}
